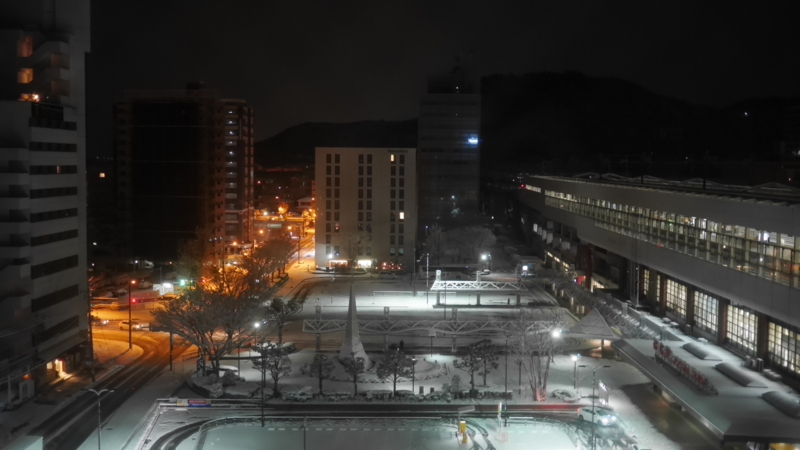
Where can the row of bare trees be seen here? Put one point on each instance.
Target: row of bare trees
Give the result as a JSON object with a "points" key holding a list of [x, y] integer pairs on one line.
{"points": [[218, 311], [461, 245]]}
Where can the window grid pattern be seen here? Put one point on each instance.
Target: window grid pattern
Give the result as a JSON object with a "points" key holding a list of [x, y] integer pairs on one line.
{"points": [[646, 282], [706, 309], [784, 348], [742, 329], [676, 298], [762, 253]]}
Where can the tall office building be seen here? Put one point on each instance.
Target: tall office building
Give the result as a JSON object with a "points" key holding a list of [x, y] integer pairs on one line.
{"points": [[366, 207], [184, 165], [449, 148], [43, 287]]}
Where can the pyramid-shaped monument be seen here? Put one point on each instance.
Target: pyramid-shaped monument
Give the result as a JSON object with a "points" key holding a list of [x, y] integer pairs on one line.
{"points": [[352, 339]]}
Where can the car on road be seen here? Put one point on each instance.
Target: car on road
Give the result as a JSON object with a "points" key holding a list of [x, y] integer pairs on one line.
{"points": [[98, 321], [134, 325], [601, 416]]}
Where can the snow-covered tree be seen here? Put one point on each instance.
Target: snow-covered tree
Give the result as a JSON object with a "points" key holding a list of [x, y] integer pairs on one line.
{"points": [[273, 360], [321, 368], [354, 366], [394, 366]]}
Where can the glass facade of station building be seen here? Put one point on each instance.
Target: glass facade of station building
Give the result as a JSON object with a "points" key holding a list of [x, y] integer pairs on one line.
{"points": [[716, 260]]}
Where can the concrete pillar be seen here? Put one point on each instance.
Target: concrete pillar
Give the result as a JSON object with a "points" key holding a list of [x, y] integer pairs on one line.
{"points": [[386, 313], [453, 347], [478, 296], [455, 314], [438, 298], [519, 300], [318, 342], [385, 343], [319, 312]]}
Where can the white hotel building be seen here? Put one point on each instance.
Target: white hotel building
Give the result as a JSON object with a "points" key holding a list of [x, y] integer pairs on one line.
{"points": [[723, 261], [43, 278], [366, 207]]}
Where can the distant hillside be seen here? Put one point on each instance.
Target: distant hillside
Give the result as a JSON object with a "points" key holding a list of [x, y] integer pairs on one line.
{"points": [[295, 145]]}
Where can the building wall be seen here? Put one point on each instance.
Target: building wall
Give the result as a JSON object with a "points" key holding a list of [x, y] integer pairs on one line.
{"points": [[736, 283], [184, 166], [449, 155], [43, 314], [368, 183]]}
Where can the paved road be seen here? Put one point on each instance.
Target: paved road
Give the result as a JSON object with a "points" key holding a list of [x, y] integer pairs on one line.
{"points": [[70, 426]]}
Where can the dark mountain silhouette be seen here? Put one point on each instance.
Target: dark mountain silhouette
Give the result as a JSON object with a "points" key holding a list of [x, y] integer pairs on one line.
{"points": [[569, 123], [295, 145]]}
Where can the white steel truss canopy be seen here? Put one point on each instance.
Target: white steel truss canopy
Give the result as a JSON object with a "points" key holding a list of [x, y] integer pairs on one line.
{"points": [[476, 286], [452, 327]]}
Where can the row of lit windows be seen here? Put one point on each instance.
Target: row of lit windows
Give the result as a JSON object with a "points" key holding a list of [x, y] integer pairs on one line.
{"points": [[744, 249]]}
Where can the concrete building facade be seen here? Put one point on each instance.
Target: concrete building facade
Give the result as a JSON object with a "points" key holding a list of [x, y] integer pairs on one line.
{"points": [[366, 207], [722, 261], [184, 165], [43, 277]]}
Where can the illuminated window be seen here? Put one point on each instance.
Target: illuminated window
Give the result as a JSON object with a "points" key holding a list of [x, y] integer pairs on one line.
{"points": [[102, 175], [402, 215], [676, 298], [391, 158], [705, 312], [783, 345], [742, 328]]}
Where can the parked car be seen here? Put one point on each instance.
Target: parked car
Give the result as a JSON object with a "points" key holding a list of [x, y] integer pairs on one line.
{"points": [[134, 325], [170, 296], [566, 395], [601, 416]]}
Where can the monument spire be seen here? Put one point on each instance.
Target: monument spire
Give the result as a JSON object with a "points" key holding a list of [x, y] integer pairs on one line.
{"points": [[352, 339]]}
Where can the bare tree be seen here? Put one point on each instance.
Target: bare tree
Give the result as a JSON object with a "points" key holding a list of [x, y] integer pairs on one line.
{"points": [[478, 358], [278, 312], [275, 361], [467, 243], [394, 366], [354, 367], [215, 314], [278, 250], [321, 368], [352, 245], [435, 243], [537, 340]]}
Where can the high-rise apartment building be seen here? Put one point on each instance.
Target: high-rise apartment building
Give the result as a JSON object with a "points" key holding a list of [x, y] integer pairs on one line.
{"points": [[366, 207], [43, 287], [184, 165], [449, 148]]}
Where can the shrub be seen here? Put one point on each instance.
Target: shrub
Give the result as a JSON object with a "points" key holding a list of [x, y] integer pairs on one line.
{"points": [[228, 379]]}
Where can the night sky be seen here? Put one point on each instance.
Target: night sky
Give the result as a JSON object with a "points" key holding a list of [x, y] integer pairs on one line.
{"points": [[340, 61]]}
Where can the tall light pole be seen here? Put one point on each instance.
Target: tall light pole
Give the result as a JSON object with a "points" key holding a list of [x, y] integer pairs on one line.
{"points": [[575, 359], [99, 418], [413, 373], [130, 324], [594, 382], [506, 391]]}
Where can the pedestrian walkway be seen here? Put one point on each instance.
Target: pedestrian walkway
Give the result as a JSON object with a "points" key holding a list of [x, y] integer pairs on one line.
{"points": [[49, 399]]}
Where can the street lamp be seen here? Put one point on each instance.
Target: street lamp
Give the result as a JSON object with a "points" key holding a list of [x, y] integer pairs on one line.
{"points": [[130, 323], [413, 373], [575, 359], [594, 382], [99, 419]]}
